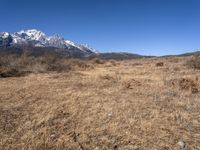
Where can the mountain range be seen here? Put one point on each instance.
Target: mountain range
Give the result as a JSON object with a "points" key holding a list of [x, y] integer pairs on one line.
{"points": [[37, 39], [38, 43]]}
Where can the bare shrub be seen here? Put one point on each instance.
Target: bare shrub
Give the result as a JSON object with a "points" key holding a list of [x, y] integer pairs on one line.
{"points": [[185, 84], [113, 62], [188, 84], [132, 83], [98, 61], [14, 66], [59, 67], [173, 59], [136, 64], [194, 62], [159, 64], [10, 66], [81, 64], [12, 73]]}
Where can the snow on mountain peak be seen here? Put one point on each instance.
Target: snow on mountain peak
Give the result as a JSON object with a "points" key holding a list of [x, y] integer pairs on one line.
{"points": [[5, 35], [33, 34], [37, 38], [86, 46], [70, 42], [31, 31], [56, 41]]}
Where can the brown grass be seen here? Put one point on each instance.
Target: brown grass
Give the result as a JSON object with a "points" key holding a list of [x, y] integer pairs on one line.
{"points": [[194, 62], [128, 105], [15, 66], [98, 61]]}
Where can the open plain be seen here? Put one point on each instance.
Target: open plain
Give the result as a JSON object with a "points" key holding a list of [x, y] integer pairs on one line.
{"points": [[139, 104]]}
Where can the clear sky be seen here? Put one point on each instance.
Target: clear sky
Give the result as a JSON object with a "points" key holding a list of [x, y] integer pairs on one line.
{"points": [[151, 27]]}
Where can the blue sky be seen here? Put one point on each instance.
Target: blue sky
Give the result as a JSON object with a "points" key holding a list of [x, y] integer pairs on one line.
{"points": [[151, 27]]}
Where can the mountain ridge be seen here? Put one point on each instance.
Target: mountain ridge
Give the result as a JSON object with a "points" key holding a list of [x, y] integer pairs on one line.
{"points": [[36, 38]]}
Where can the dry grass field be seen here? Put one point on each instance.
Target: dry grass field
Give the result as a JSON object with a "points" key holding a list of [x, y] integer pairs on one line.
{"points": [[141, 104]]}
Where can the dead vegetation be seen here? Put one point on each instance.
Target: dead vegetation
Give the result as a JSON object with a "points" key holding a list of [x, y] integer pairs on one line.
{"points": [[98, 61], [131, 105], [194, 62], [132, 83], [185, 84], [16, 66], [159, 64], [188, 84]]}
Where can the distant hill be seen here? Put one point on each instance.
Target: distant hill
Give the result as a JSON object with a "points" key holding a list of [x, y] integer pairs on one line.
{"points": [[183, 55], [189, 54], [117, 56], [39, 51]]}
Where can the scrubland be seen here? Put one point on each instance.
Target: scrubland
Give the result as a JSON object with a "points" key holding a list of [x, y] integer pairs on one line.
{"points": [[139, 104]]}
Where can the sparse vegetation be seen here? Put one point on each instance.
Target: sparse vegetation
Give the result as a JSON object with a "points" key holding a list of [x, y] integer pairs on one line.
{"points": [[159, 64], [127, 105], [98, 61], [15, 66], [194, 62]]}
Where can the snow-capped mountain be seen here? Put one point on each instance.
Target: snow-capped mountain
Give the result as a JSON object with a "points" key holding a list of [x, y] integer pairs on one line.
{"points": [[36, 38], [5, 39]]}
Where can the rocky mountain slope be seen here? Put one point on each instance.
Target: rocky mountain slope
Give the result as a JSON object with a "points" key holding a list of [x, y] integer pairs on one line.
{"points": [[35, 38]]}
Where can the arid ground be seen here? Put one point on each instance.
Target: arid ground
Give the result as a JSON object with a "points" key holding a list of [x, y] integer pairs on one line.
{"points": [[141, 104]]}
